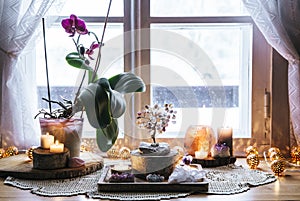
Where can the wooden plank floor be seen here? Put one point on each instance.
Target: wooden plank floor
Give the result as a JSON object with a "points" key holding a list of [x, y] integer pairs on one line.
{"points": [[285, 188]]}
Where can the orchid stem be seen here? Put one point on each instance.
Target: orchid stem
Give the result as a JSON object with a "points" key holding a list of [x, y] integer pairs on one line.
{"points": [[79, 88], [47, 74], [101, 43]]}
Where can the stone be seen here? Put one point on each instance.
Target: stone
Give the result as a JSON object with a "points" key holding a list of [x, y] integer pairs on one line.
{"points": [[186, 173], [75, 162], [142, 165], [154, 149]]}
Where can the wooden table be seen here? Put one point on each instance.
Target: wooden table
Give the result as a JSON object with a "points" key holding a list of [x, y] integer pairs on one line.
{"points": [[285, 188], [20, 166]]}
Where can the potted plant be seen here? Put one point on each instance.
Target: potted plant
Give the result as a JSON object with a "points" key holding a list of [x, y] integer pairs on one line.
{"points": [[154, 157], [102, 99]]}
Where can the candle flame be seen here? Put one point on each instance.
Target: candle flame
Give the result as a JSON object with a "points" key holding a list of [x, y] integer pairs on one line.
{"points": [[56, 142], [47, 133]]}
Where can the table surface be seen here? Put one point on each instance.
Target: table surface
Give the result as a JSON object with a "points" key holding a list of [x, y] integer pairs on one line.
{"points": [[21, 166], [286, 187]]}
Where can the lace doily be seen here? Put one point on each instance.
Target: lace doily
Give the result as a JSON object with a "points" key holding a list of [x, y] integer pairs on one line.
{"points": [[223, 180], [235, 179]]}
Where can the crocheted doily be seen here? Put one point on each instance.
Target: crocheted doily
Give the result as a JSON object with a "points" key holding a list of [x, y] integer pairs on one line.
{"points": [[223, 180]]}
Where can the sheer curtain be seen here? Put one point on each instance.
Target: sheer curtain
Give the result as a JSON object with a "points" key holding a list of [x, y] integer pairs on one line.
{"points": [[19, 20], [279, 21]]}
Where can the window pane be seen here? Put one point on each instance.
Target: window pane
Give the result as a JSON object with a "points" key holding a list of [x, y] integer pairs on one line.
{"points": [[169, 8], [205, 73], [92, 8]]}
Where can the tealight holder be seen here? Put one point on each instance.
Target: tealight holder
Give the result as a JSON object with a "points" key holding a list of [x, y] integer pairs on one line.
{"points": [[11, 151], [276, 160], [124, 153], [295, 155], [273, 149], [276, 156], [251, 150], [29, 152], [252, 161], [278, 166], [2, 153], [113, 152]]}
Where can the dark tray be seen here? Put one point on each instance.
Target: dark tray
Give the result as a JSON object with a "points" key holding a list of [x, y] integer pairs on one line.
{"points": [[214, 162], [143, 186]]}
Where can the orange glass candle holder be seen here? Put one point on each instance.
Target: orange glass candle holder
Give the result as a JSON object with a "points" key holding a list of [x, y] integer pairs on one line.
{"points": [[198, 138]]}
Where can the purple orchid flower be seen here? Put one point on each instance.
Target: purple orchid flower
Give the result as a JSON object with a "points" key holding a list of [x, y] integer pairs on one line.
{"points": [[90, 51], [73, 25]]}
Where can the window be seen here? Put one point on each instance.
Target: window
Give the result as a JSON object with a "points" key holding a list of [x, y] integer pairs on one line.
{"points": [[204, 56], [209, 73], [200, 60]]}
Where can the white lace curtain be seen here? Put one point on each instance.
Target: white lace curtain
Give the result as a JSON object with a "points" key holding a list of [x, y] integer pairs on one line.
{"points": [[19, 20], [279, 21]]}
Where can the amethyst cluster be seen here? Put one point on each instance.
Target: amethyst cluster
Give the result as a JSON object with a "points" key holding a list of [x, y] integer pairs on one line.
{"points": [[187, 159], [220, 150], [123, 177]]}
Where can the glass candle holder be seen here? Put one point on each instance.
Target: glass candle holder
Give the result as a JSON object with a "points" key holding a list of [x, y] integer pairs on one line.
{"points": [[66, 131], [199, 138]]}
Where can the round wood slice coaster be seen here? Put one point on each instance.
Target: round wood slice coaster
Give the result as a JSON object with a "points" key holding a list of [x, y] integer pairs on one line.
{"points": [[45, 160]]}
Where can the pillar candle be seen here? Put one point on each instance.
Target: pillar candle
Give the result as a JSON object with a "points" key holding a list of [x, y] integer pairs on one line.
{"points": [[57, 147], [46, 141], [225, 136]]}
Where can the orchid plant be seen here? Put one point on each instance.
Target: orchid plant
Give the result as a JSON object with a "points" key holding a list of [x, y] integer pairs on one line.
{"points": [[102, 99]]}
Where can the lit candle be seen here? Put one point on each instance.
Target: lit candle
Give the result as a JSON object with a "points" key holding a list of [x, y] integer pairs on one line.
{"points": [[225, 136], [201, 154], [46, 141], [57, 147]]}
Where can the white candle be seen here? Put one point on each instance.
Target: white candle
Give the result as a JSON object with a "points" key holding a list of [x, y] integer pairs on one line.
{"points": [[46, 141], [225, 136], [57, 147], [201, 154]]}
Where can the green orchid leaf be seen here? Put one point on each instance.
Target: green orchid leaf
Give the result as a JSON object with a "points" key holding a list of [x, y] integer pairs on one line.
{"points": [[75, 60], [106, 137], [127, 83], [102, 106], [117, 101], [86, 98], [96, 103], [117, 104]]}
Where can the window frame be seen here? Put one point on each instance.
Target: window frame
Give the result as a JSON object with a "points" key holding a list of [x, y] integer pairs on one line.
{"points": [[261, 66]]}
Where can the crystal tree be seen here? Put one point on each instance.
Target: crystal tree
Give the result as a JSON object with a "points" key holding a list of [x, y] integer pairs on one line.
{"points": [[156, 119]]}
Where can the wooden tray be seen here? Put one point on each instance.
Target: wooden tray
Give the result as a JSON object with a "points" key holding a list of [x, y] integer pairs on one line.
{"points": [[214, 162], [143, 186], [20, 166]]}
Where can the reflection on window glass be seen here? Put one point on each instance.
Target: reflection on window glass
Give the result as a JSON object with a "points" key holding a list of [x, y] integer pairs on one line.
{"points": [[169, 8], [207, 67]]}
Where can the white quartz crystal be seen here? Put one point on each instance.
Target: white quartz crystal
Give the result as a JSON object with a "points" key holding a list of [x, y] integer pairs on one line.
{"points": [[187, 173]]}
